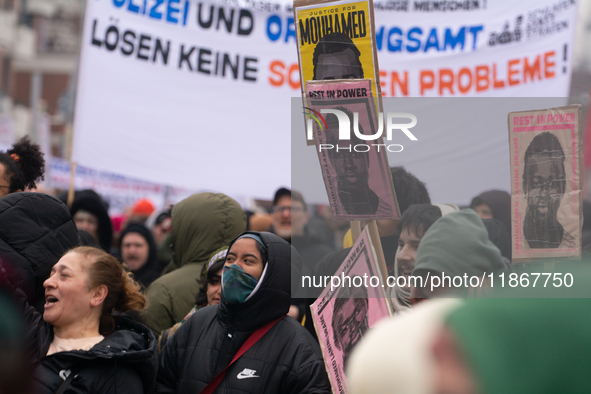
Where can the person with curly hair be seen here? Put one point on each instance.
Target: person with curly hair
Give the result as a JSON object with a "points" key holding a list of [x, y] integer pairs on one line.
{"points": [[21, 167]]}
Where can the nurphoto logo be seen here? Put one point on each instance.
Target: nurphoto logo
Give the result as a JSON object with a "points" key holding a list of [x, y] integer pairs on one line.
{"points": [[344, 127]]}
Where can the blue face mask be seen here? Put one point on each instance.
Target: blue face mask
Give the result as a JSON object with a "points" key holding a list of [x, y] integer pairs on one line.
{"points": [[237, 284]]}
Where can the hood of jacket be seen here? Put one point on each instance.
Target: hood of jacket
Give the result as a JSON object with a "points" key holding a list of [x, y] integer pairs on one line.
{"points": [[457, 244], [152, 269], [35, 231], [272, 299], [499, 202], [203, 223], [88, 202]]}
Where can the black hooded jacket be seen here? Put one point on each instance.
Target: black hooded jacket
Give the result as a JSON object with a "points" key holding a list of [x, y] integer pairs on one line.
{"points": [[92, 203], [285, 360], [125, 361], [152, 269], [35, 231]]}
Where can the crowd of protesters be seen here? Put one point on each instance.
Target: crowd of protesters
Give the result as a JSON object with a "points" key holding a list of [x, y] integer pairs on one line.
{"points": [[197, 297]]}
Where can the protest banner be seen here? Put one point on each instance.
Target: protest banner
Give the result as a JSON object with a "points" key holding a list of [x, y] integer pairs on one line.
{"points": [[162, 85], [335, 40], [354, 166], [344, 313], [118, 191], [546, 183]]}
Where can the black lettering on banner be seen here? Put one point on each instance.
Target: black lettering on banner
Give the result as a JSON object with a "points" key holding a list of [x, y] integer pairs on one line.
{"points": [[185, 57], [111, 46], [228, 62], [201, 61], [247, 69], [126, 40], [94, 41], [206, 24], [163, 52], [217, 62], [227, 22], [142, 46], [245, 15]]}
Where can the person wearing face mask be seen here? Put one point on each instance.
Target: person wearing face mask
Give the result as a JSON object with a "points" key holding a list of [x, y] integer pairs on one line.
{"points": [[246, 344]]}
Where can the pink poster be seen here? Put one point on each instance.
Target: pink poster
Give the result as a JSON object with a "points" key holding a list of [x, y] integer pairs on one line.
{"points": [[546, 183], [342, 314], [352, 155]]}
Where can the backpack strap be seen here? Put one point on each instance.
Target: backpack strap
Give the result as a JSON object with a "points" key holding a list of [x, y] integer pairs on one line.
{"points": [[252, 339]]}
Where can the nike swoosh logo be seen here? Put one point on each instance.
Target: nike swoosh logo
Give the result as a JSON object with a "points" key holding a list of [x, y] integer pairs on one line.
{"points": [[247, 373], [64, 374]]}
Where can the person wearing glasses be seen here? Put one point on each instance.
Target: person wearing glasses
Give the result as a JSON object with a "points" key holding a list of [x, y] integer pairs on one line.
{"points": [[21, 167], [282, 214]]}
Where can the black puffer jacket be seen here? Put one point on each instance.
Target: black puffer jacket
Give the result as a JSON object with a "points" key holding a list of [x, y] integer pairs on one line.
{"points": [[124, 362], [285, 360], [35, 231]]}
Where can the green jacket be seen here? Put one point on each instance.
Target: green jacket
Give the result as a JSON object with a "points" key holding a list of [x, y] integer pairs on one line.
{"points": [[201, 224]]}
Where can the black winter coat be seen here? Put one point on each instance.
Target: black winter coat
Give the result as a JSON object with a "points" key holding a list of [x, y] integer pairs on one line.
{"points": [[285, 360], [124, 362], [35, 231]]}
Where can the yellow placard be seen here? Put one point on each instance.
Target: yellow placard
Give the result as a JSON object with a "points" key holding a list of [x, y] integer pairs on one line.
{"points": [[336, 40]]}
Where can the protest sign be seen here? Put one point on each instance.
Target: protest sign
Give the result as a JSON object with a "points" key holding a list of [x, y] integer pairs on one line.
{"points": [[336, 40], [342, 314], [546, 183], [118, 191], [355, 170]]}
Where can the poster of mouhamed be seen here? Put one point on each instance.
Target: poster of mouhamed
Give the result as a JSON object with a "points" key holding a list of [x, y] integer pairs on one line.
{"points": [[335, 40], [546, 183], [354, 163], [343, 314]]}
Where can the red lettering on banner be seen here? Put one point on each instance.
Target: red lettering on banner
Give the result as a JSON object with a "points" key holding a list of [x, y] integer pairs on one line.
{"points": [[549, 65], [427, 74], [480, 78], [280, 73]]}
